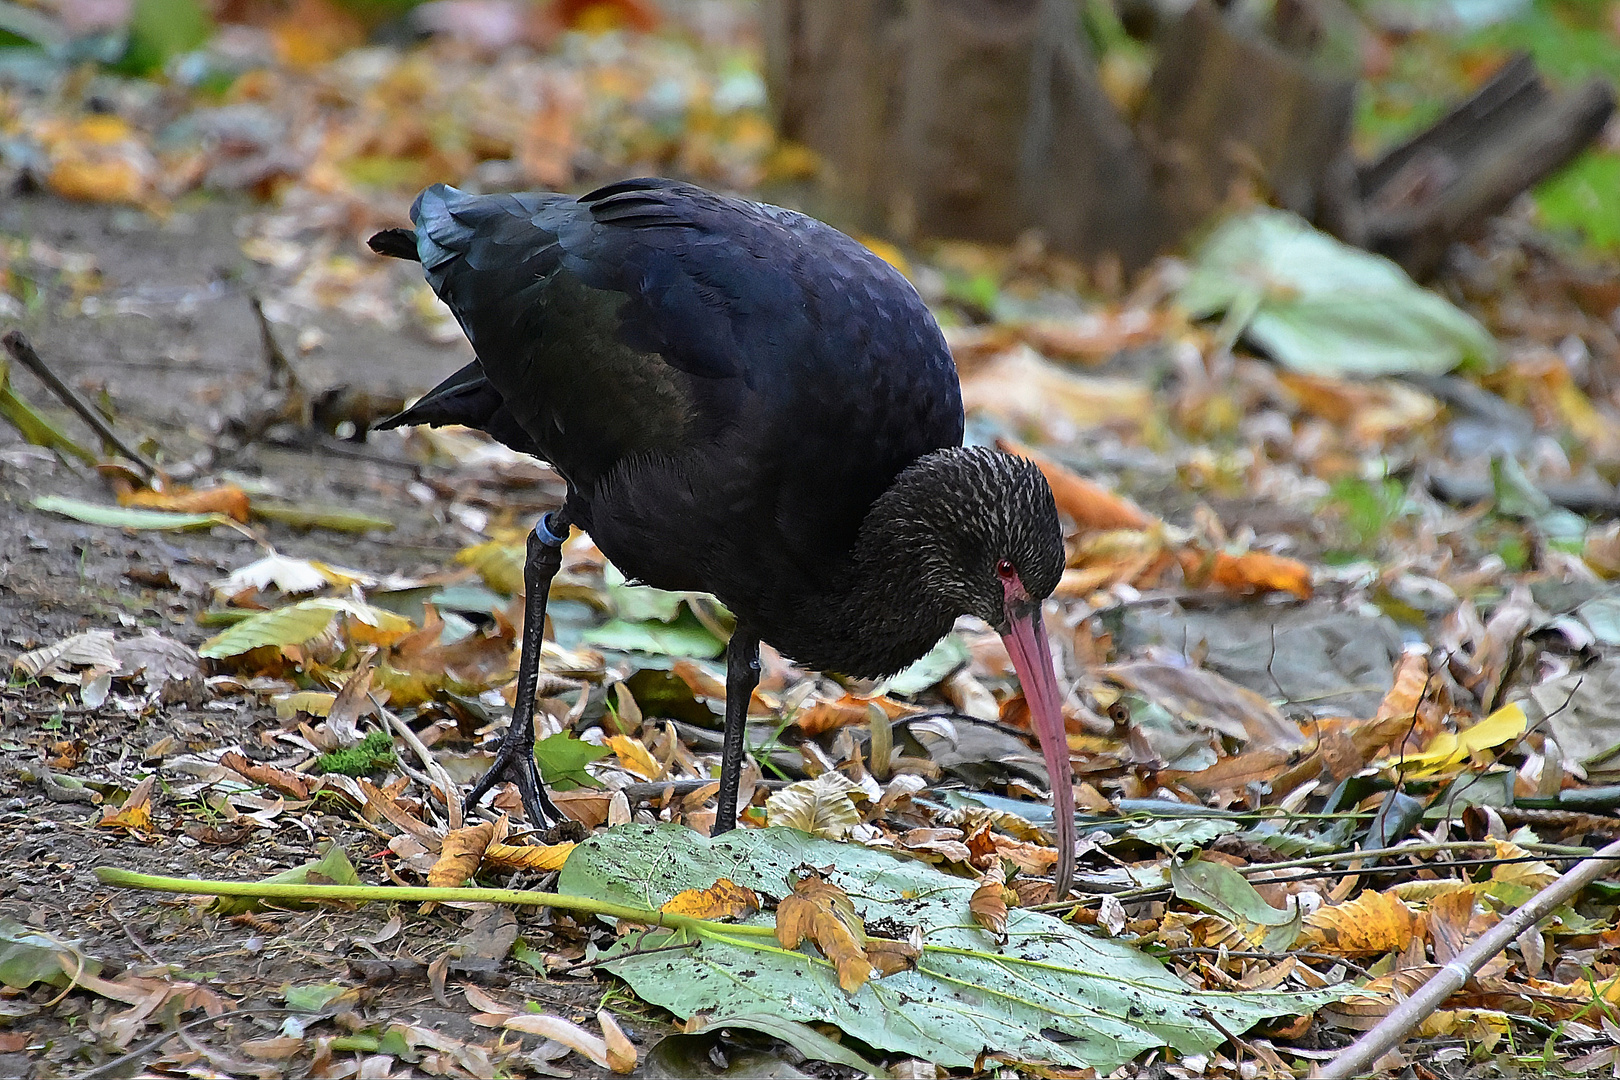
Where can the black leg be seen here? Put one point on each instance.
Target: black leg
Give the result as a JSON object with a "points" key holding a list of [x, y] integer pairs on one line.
{"points": [[742, 675], [515, 759]]}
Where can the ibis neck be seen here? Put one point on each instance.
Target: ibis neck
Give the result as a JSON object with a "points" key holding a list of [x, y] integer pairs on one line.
{"points": [[888, 600]]}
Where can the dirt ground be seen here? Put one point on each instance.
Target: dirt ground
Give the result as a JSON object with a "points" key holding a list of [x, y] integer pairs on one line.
{"points": [[175, 347]]}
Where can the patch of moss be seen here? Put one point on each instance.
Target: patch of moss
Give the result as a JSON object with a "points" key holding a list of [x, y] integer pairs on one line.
{"points": [[372, 754]]}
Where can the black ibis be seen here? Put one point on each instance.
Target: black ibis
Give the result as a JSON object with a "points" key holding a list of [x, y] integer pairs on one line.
{"points": [[746, 402]]}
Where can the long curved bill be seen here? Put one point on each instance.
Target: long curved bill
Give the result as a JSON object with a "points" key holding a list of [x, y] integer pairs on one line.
{"points": [[1032, 659]]}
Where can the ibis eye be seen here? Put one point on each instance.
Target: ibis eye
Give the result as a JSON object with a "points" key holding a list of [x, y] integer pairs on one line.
{"points": [[1006, 570]]}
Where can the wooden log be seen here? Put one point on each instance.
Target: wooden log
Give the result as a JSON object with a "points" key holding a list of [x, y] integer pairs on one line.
{"points": [[1443, 184]]}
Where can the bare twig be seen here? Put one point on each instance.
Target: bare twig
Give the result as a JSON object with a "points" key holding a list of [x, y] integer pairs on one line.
{"points": [[282, 373], [23, 352], [1359, 1056]]}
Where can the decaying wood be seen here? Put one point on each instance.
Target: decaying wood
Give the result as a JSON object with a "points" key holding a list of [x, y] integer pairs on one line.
{"points": [[1432, 190], [983, 119], [1228, 107], [969, 118]]}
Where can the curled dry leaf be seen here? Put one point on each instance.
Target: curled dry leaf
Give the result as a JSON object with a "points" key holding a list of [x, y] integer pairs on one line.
{"points": [[822, 912], [570, 1035], [1372, 924], [725, 899], [461, 852], [1250, 572], [621, 1052], [989, 902], [136, 813], [281, 781], [891, 957]]}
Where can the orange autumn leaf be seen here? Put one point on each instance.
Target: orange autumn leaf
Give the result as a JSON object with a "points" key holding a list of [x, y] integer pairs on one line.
{"points": [[136, 813], [1090, 506], [460, 853], [725, 899], [1251, 572], [1372, 924], [227, 499], [281, 781], [822, 912]]}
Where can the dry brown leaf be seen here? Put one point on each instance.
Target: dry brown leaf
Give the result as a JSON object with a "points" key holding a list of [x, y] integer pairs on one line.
{"points": [[890, 956], [1372, 924], [621, 1052], [136, 813], [532, 857], [822, 912], [725, 899], [1233, 773], [382, 804], [989, 902], [417, 668], [1092, 507], [228, 499], [822, 807], [1448, 916], [460, 853], [282, 781]]}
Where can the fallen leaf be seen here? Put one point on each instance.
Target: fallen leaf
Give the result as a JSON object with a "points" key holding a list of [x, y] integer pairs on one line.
{"points": [[823, 912], [621, 1052], [136, 812], [822, 806], [227, 499], [1372, 924], [460, 853], [570, 1035], [725, 899], [989, 902]]}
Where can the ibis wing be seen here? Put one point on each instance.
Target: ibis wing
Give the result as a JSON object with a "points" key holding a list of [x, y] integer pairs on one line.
{"points": [[652, 319]]}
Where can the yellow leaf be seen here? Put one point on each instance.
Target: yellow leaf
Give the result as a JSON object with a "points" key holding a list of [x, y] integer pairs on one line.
{"points": [[635, 756], [725, 899], [1372, 924], [535, 857], [136, 813], [500, 564], [1447, 751]]}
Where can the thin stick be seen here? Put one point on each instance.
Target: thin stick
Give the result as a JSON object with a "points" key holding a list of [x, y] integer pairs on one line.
{"points": [[1358, 1057], [21, 351], [282, 372]]}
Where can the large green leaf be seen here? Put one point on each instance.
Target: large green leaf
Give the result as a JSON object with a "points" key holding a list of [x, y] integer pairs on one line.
{"points": [[1104, 1000], [1321, 307]]}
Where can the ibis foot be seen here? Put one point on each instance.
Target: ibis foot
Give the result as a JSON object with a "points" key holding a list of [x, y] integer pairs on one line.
{"points": [[514, 760]]}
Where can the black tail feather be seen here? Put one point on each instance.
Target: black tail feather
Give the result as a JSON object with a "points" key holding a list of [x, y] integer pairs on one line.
{"points": [[397, 243]]}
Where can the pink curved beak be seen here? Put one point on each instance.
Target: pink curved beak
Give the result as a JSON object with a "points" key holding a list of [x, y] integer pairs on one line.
{"points": [[1032, 659]]}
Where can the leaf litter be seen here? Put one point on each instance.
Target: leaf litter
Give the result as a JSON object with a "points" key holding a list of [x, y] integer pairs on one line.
{"points": [[1245, 831]]}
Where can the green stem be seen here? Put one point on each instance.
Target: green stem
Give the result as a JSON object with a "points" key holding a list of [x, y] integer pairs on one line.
{"points": [[361, 894]]}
